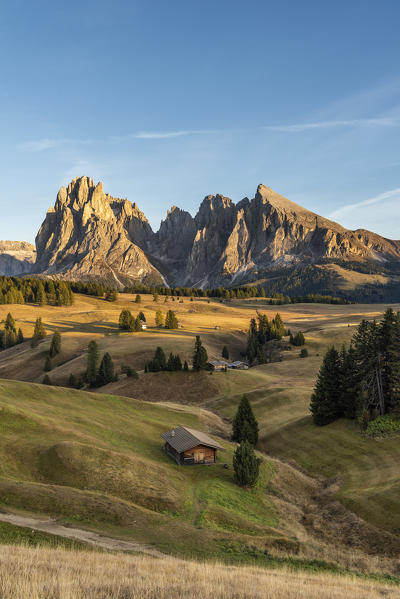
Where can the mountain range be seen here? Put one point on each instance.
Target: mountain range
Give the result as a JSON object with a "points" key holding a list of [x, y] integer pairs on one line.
{"points": [[89, 234]]}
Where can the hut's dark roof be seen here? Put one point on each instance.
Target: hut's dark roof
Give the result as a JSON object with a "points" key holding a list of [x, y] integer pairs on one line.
{"points": [[183, 438]]}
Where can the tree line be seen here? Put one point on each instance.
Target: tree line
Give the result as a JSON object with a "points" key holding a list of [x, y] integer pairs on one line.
{"points": [[362, 380], [35, 291]]}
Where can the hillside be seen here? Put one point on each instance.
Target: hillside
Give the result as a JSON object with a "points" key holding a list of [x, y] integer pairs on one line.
{"points": [[56, 440]]}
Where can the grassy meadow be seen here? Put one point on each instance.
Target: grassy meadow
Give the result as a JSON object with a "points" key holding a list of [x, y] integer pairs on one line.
{"points": [[95, 460]]}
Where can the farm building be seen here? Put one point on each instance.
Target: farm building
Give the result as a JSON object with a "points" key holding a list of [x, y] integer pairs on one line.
{"points": [[187, 446], [238, 365], [143, 325], [218, 365]]}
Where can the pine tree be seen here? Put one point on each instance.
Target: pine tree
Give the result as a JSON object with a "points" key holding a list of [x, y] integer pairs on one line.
{"points": [[225, 353], [245, 425], [142, 316], [105, 374], [185, 366], [46, 380], [10, 323], [200, 357], [171, 322], [171, 362], [41, 296], [246, 465], [55, 346], [326, 399], [48, 365], [159, 318], [392, 362], [39, 332], [138, 299], [92, 359], [20, 336], [137, 325]]}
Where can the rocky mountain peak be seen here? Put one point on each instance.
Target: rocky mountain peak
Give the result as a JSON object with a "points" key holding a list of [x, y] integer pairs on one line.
{"points": [[90, 233]]}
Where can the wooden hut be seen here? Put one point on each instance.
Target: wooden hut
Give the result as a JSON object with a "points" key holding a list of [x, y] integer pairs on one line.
{"points": [[188, 447]]}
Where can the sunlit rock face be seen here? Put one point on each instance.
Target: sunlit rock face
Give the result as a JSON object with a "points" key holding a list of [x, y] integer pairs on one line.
{"points": [[90, 234]]}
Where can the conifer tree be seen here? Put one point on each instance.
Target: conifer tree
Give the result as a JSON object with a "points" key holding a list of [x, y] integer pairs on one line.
{"points": [[246, 465], [185, 366], [142, 316], [225, 353], [105, 373], [326, 399], [55, 346], [159, 318], [138, 299], [200, 357], [92, 359], [47, 365], [245, 425], [39, 332], [46, 380], [137, 325], [20, 336], [10, 323]]}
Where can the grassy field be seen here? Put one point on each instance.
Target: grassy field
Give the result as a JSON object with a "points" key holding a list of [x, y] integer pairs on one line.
{"points": [[55, 442], [40, 573]]}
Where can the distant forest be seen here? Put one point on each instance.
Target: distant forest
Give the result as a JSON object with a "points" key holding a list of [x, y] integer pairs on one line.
{"points": [[301, 284], [14, 290]]}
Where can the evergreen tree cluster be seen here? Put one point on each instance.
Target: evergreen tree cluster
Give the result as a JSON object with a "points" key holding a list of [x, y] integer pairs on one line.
{"points": [[171, 321], [54, 350], [9, 336], [218, 292], [94, 288], [261, 331], [160, 362], [246, 465], [298, 339], [105, 373], [362, 380], [36, 291], [128, 322]]}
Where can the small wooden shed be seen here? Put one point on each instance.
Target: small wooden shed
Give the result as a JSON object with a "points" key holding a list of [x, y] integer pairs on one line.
{"points": [[188, 446]]}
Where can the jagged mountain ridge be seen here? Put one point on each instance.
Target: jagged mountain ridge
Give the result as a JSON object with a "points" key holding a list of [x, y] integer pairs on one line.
{"points": [[90, 234]]}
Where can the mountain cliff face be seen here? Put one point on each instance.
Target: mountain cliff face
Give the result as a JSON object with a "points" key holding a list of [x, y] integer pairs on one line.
{"points": [[89, 234], [16, 258]]}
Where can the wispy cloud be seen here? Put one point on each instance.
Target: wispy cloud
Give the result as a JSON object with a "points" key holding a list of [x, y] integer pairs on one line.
{"points": [[349, 208], [169, 134], [43, 144], [352, 123]]}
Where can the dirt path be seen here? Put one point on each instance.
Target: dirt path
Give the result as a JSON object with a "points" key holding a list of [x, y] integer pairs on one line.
{"points": [[78, 534]]}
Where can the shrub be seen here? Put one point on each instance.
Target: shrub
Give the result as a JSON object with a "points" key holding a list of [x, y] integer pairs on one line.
{"points": [[304, 353], [383, 426]]}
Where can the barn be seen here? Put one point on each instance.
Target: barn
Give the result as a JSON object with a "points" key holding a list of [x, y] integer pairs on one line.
{"points": [[188, 446]]}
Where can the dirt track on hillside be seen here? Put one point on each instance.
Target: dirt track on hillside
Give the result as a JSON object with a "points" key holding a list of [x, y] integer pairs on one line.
{"points": [[78, 534]]}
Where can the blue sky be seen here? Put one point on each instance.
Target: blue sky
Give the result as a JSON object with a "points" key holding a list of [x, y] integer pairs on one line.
{"points": [[169, 101]]}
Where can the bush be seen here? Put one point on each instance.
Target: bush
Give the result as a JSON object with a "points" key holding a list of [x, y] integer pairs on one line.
{"points": [[383, 426], [304, 353], [129, 371]]}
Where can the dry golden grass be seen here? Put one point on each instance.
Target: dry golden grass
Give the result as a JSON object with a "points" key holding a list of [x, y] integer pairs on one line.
{"points": [[59, 574]]}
